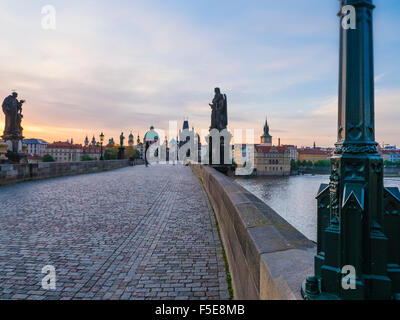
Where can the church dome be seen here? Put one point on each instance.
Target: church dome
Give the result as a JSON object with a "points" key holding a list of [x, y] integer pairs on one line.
{"points": [[151, 135]]}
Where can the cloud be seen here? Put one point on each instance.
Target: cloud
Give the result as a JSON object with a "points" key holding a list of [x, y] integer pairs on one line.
{"points": [[380, 76]]}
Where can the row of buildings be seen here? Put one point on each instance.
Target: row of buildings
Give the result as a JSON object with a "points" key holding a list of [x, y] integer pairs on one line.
{"points": [[390, 153], [65, 151], [276, 160], [61, 151], [68, 151], [268, 159]]}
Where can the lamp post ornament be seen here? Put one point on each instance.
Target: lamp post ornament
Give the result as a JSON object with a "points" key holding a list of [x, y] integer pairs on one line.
{"points": [[358, 251]]}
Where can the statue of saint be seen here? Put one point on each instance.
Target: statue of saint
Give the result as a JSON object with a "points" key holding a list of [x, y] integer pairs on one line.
{"points": [[12, 109], [121, 139], [219, 115]]}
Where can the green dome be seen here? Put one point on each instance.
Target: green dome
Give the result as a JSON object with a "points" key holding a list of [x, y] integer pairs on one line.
{"points": [[151, 135]]}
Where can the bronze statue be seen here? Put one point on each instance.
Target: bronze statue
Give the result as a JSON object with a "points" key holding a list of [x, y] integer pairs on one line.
{"points": [[219, 115], [12, 109], [121, 139]]}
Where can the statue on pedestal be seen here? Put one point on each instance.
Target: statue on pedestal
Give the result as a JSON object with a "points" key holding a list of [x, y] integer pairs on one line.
{"points": [[12, 109], [121, 139], [12, 135], [219, 155], [219, 115], [121, 149]]}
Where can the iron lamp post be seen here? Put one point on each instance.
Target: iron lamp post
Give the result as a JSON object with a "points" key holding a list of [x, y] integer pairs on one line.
{"points": [[101, 146], [358, 232]]}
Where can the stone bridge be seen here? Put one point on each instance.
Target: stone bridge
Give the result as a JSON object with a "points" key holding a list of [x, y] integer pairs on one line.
{"points": [[131, 233]]}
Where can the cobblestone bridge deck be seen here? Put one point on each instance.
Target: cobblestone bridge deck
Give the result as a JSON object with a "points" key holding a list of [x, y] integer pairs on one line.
{"points": [[132, 233]]}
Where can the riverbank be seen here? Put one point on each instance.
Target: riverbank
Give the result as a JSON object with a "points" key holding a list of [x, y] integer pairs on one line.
{"points": [[388, 171], [293, 197]]}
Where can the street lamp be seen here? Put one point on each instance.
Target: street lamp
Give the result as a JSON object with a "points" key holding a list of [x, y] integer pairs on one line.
{"points": [[358, 219], [101, 146]]}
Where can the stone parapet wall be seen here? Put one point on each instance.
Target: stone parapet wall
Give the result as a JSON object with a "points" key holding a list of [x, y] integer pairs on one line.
{"points": [[392, 172], [268, 258], [13, 173]]}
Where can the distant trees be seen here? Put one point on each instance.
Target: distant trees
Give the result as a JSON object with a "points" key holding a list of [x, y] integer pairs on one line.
{"points": [[47, 158], [86, 157], [309, 164], [112, 153], [131, 153], [388, 163], [322, 163]]}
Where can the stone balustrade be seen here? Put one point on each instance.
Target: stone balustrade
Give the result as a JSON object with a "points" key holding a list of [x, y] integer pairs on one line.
{"points": [[268, 258], [13, 173]]}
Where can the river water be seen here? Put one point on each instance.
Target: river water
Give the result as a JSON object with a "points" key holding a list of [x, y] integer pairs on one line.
{"points": [[294, 197]]}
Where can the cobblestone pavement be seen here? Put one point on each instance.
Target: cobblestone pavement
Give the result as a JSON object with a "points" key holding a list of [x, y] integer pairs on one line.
{"points": [[131, 233]]}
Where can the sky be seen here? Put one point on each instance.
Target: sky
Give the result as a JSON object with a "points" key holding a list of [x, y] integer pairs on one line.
{"points": [[122, 65]]}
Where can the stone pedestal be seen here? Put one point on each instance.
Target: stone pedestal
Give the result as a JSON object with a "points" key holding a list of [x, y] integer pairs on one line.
{"points": [[15, 149], [3, 152], [220, 158], [121, 153]]}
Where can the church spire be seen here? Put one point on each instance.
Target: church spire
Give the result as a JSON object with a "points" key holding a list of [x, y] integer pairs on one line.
{"points": [[266, 138], [266, 128]]}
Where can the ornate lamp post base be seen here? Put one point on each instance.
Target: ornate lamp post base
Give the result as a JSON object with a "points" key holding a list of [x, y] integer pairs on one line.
{"points": [[310, 290]]}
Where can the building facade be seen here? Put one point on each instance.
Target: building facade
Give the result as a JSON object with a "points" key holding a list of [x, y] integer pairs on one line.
{"points": [[313, 155], [292, 151], [392, 155], [36, 147], [268, 160], [64, 151], [93, 152], [140, 147], [271, 160], [130, 140], [182, 139]]}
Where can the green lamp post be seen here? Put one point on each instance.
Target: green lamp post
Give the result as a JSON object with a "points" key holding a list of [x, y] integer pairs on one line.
{"points": [[101, 146], [358, 219]]}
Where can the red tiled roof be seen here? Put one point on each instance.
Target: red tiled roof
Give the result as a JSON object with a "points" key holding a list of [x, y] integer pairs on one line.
{"points": [[390, 151], [314, 151], [34, 157], [63, 145], [92, 149], [267, 149]]}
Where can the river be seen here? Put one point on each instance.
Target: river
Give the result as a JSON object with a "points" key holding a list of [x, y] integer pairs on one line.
{"points": [[294, 197]]}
